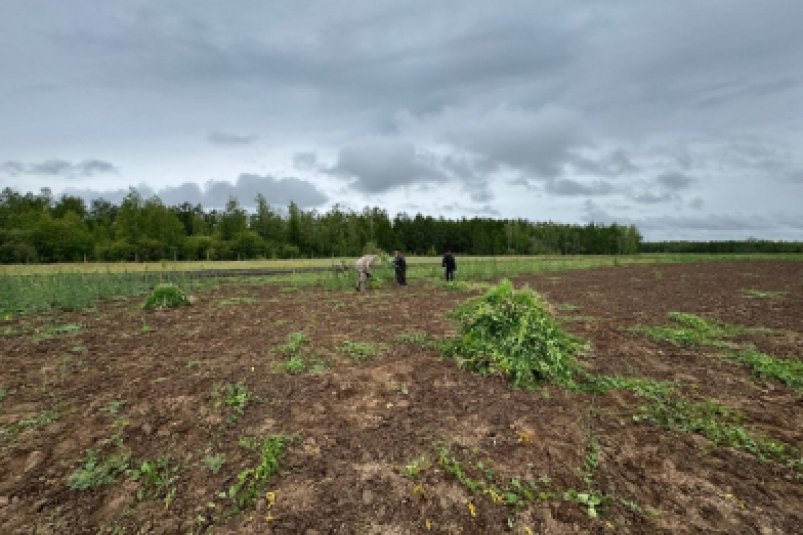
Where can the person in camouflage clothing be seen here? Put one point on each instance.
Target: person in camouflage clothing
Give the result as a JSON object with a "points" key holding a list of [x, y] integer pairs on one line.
{"points": [[363, 265]]}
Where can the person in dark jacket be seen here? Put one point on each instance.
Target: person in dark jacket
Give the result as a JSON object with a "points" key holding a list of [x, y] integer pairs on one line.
{"points": [[450, 265], [400, 266]]}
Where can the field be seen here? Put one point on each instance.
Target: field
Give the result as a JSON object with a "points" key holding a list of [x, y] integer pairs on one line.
{"points": [[296, 405]]}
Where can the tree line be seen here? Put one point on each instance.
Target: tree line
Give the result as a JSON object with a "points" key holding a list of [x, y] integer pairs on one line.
{"points": [[39, 228]]}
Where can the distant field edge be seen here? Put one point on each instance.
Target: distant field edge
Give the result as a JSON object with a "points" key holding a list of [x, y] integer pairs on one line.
{"points": [[257, 267]]}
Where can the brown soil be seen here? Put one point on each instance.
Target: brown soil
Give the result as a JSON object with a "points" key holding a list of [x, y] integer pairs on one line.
{"points": [[356, 425]]}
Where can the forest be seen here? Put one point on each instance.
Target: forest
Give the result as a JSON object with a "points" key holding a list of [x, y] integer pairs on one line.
{"points": [[39, 228]]}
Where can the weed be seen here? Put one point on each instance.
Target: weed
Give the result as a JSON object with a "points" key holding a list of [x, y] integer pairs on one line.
{"points": [[145, 328], [3, 393], [157, 479], [295, 343], [166, 296], [415, 467], [417, 338], [589, 500], [214, 462], [512, 333], [692, 331], [57, 330], [97, 471], [788, 371], [11, 431], [235, 396], [251, 482], [360, 351], [193, 364]]}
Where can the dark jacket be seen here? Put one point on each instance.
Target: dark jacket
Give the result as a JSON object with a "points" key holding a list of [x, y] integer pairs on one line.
{"points": [[449, 262], [400, 263]]}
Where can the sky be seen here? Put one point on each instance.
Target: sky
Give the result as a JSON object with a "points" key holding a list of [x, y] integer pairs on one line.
{"points": [[684, 118]]}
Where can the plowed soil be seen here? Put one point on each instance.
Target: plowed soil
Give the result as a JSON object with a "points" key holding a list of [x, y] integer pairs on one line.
{"points": [[143, 382]]}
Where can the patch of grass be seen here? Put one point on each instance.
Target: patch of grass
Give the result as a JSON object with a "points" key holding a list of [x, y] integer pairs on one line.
{"points": [[417, 338], [787, 371], [214, 462], [251, 482], [12, 430], [719, 424], [97, 471], [57, 330], [360, 351], [691, 330], [763, 294], [512, 333], [193, 364], [166, 296], [157, 479], [3, 393]]}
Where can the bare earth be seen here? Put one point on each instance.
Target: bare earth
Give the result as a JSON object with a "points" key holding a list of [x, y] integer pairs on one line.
{"points": [[356, 425]]}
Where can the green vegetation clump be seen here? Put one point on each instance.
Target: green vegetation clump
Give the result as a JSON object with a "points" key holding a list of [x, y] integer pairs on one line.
{"points": [[787, 371], [97, 471], [251, 482], [166, 296], [360, 351], [157, 479], [692, 330], [513, 333]]}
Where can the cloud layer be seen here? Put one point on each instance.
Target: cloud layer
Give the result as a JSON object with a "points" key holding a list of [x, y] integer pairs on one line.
{"points": [[652, 111]]}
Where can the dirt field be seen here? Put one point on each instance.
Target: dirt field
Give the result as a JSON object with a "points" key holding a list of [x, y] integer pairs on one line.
{"points": [[143, 383]]}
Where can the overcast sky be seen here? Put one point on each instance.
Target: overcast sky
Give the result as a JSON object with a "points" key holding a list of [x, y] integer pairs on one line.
{"points": [[683, 117]]}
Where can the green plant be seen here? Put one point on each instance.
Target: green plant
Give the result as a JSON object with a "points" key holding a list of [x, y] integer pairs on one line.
{"points": [[166, 295], [214, 461], [97, 471], [193, 364], [157, 479], [235, 396], [692, 330], [788, 371], [251, 482], [512, 333], [295, 343], [359, 351], [415, 467], [417, 338], [590, 500], [3, 393]]}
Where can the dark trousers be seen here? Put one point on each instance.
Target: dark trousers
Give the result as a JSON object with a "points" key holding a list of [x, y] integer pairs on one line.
{"points": [[449, 274], [401, 278]]}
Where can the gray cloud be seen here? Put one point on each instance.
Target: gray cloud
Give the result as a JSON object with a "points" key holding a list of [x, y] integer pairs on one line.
{"points": [[224, 138], [60, 168], [380, 165], [305, 161], [675, 181], [216, 193], [569, 187]]}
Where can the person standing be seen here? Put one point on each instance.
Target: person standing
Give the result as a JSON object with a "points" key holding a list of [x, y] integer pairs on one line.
{"points": [[400, 265], [363, 265], [450, 264]]}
